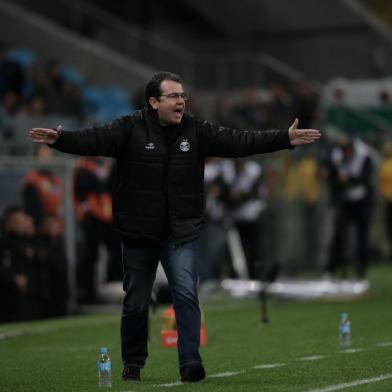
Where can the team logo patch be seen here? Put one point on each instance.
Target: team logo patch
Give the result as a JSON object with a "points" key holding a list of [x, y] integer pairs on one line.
{"points": [[185, 146], [150, 146]]}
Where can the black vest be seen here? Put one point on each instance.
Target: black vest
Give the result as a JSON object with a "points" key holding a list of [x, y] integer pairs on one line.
{"points": [[160, 174]]}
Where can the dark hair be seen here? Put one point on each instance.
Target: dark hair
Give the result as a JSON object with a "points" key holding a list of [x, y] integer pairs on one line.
{"points": [[7, 214], [153, 87]]}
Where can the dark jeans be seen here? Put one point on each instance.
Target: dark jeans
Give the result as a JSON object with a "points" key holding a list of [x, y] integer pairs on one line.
{"points": [[140, 265], [213, 243], [359, 215]]}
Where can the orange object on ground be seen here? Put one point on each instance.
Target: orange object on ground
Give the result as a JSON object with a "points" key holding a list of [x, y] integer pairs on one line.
{"points": [[169, 335]]}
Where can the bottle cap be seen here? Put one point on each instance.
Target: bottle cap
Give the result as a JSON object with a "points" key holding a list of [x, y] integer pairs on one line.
{"points": [[103, 350]]}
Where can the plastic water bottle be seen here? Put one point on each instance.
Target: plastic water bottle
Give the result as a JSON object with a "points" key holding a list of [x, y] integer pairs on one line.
{"points": [[104, 369], [345, 330]]}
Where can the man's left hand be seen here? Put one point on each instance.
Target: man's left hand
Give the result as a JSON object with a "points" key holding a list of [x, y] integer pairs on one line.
{"points": [[302, 136]]}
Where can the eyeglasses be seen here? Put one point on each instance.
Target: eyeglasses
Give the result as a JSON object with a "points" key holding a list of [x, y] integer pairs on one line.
{"points": [[175, 96]]}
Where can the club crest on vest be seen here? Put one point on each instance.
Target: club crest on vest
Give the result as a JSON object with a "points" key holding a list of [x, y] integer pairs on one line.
{"points": [[184, 145], [150, 146]]}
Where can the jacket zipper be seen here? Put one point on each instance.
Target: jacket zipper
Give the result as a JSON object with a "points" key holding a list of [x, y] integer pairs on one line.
{"points": [[165, 189]]}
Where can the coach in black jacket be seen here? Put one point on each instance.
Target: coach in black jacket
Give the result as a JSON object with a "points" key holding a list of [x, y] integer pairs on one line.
{"points": [[159, 203]]}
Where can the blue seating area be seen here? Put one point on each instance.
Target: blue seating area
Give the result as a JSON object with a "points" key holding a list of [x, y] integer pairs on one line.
{"points": [[73, 75], [24, 57], [104, 103], [100, 103]]}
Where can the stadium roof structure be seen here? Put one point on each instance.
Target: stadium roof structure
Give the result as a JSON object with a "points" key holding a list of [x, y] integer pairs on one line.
{"points": [[280, 16], [322, 39]]}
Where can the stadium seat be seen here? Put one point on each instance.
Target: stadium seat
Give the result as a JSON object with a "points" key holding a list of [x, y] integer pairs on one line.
{"points": [[106, 103], [73, 75], [24, 57]]}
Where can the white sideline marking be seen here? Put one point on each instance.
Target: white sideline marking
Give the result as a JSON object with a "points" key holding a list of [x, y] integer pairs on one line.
{"points": [[268, 366], [384, 344], [66, 348], [10, 335], [312, 358], [216, 375], [225, 374], [169, 385], [353, 350], [18, 334], [353, 384]]}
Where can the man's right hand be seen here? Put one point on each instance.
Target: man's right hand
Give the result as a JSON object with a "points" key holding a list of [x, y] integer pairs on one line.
{"points": [[45, 135]]}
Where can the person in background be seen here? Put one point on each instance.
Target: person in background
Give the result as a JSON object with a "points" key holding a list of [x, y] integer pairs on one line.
{"points": [[93, 206], [245, 200], [302, 189], [385, 187], [51, 276], [306, 104], [352, 172], [280, 107], [158, 204], [212, 251], [17, 261], [12, 78], [42, 189]]}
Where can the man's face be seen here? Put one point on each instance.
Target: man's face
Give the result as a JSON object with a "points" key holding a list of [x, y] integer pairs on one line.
{"points": [[170, 105]]}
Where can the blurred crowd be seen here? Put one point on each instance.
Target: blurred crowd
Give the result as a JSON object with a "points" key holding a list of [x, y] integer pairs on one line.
{"points": [[33, 271], [31, 88], [258, 211], [33, 258]]}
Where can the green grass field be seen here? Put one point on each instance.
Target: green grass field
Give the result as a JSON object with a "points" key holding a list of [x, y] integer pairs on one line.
{"points": [[60, 355]]}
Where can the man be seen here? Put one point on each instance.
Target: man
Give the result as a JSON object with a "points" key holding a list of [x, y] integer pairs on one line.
{"points": [[352, 177], [18, 299], [42, 189], [158, 204], [244, 195]]}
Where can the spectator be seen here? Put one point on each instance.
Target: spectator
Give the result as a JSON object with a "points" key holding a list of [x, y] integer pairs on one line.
{"points": [[12, 78], [385, 186], [71, 100], [214, 228], [303, 194], [8, 109], [222, 110], [306, 104], [50, 278], [246, 113], [36, 105], [17, 257], [245, 200], [353, 176], [93, 205], [280, 105], [42, 189], [338, 115]]}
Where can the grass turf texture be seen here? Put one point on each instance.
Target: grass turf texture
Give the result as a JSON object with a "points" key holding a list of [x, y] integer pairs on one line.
{"points": [[60, 355]]}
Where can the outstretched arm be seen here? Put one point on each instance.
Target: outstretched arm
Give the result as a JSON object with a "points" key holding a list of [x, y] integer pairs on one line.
{"points": [[302, 136], [45, 135], [231, 143], [106, 140]]}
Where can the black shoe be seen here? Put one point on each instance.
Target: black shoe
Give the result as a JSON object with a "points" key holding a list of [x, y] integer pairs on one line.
{"points": [[192, 372], [131, 373]]}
